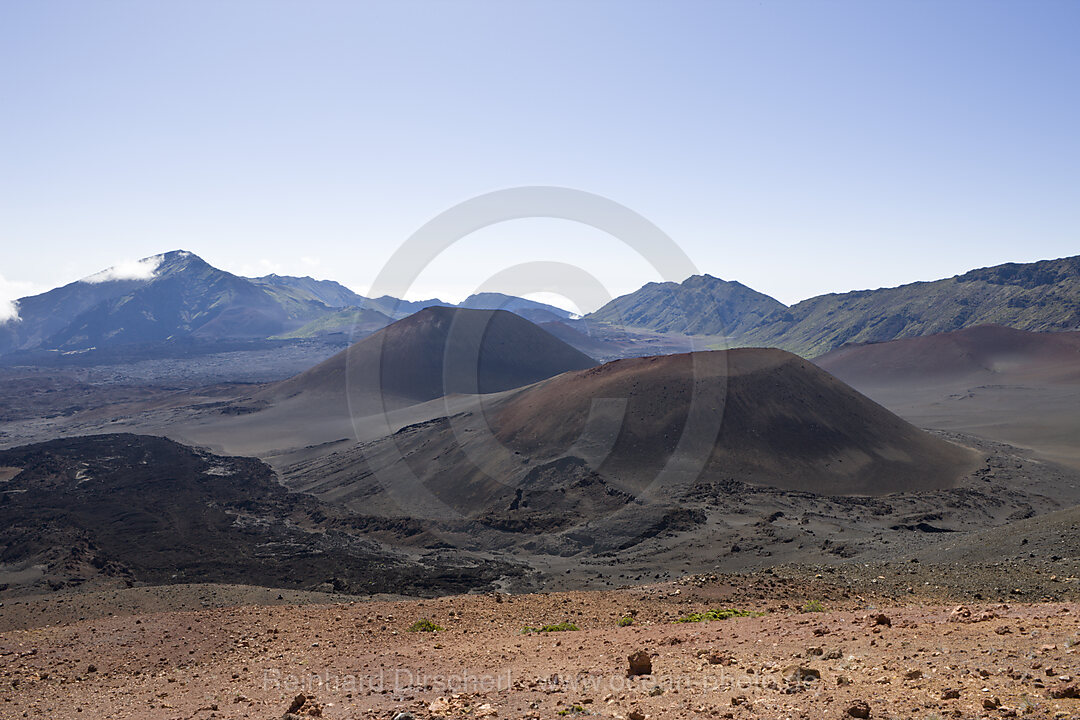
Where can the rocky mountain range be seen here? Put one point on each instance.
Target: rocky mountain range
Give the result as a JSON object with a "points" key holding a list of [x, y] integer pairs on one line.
{"points": [[179, 298], [1041, 297]]}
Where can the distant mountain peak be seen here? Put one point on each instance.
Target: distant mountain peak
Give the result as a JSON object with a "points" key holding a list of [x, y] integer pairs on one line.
{"points": [[700, 304], [145, 269], [179, 260]]}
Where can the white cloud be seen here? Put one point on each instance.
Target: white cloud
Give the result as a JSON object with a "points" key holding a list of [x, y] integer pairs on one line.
{"points": [[311, 261], [128, 270], [9, 310], [10, 291]]}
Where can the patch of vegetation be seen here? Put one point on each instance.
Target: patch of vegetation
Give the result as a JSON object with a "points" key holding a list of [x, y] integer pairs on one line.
{"points": [[572, 710], [719, 614], [625, 621], [812, 606], [424, 625], [558, 627]]}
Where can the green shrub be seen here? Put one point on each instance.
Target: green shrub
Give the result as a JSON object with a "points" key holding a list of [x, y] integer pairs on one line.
{"points": [[424, 625], [572, 710], [812, 606], [626, 621], [724, 614]]}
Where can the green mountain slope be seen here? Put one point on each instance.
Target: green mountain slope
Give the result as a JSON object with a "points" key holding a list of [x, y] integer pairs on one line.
{"points": [[329, 293], [344, 321], [700, 305], [1042, 296]]}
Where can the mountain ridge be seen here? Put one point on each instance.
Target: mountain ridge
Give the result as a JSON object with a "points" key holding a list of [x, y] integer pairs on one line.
{"points": [[183, 297], [177, 295], [1043, 296], [677, 307], [1040, 297]]}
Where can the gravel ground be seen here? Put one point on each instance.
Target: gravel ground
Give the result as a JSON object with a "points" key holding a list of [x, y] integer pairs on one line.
{"points": [[864, 653]]}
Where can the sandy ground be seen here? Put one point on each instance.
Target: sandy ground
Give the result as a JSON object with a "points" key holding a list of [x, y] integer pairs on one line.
{"points": [[358, 660], [1041, 418]]}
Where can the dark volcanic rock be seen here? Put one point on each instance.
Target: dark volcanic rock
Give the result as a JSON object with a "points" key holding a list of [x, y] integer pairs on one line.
{"points": [[640, 663], [146, 509]]}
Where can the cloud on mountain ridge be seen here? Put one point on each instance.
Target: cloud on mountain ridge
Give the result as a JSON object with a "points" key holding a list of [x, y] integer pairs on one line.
{"points": [[10, 292], [9, 311], [128, 270]]}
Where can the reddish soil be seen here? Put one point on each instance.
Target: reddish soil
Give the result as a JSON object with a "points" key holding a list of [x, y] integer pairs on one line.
{"points": [[358, 660], [764, 416], [977, 353]]}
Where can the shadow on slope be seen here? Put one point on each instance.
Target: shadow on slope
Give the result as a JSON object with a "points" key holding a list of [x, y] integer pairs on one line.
{"points": [[435, 352]]}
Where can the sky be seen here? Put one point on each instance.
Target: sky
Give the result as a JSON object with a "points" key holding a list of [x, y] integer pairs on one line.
{"points": [[798, 147]]}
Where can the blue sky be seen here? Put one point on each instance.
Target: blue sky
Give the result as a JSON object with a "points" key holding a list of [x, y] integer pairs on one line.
{"points": [[799, 147]]}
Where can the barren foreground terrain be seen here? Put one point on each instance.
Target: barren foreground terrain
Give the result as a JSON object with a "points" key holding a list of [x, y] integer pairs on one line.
{"points": [[864, 654]]}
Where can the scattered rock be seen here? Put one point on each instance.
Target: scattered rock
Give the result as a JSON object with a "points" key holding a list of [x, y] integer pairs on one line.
{"points": [[1065, 691], [801, 674], [715, 658], [304, 706], [881, 619], [951, 694], [960, 613], [913, 674], [640, 664], [859, 709], [964, 614], [635, 715], [297, 703]]}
